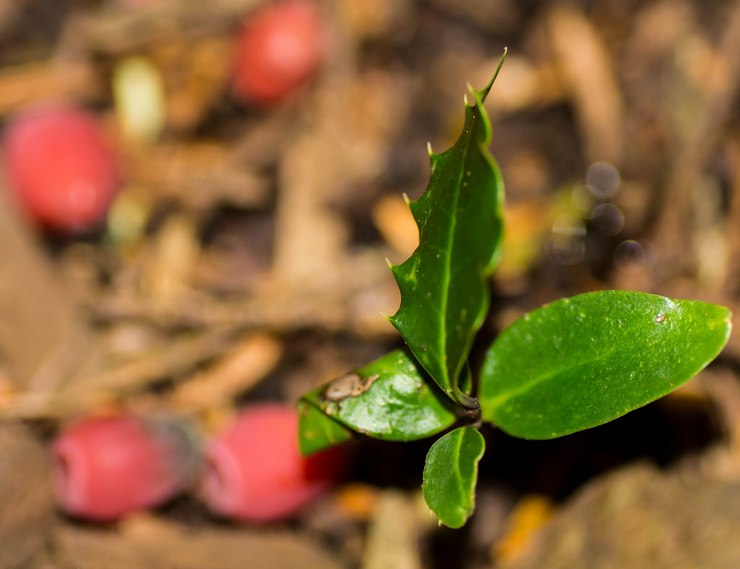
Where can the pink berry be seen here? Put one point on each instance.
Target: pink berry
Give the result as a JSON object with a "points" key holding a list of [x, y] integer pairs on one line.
{"points": [[278, 51], [107, 467], [61, 168], [255, 472]]}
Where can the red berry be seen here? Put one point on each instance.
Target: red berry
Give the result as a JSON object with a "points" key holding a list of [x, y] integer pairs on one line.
{"points": [[106, 467], [60, 167], [278, 51], [255, 472]]}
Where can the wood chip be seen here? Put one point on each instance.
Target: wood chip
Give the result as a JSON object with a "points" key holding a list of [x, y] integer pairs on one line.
{"points": [[732, 224], [590, 79], [32, 83], [115, 29], [529, 515], [393, 535], [25, 494], [168, 272], [641, 518], [248, 361], [164, 546], [87, 392], [723, 387], [42, 337], [393, 219], [721, 82], [200, 175], [195, 73], [310, 238]]}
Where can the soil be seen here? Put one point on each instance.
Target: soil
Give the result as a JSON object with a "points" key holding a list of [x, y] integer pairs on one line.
{"points": [[243, 261]]}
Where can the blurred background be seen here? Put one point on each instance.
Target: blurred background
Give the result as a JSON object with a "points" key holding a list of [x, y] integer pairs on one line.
{"points": [[221, 240]]}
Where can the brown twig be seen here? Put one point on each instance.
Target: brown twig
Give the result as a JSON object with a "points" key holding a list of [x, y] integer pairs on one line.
{"points": [[590, 79], [350, 296], [247, 362], [88, 391]]}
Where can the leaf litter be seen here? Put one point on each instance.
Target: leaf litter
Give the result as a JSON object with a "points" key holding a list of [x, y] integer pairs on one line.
{"points": [[255, 241]]}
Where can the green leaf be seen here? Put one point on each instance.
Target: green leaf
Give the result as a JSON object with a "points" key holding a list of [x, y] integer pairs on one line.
{"points": [[450, 475], [583, 361], [390, 399], [444, 284], [316, 431]]}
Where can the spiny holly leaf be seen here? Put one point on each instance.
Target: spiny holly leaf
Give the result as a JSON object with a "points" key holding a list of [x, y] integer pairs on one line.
{"points": [[390, 399], [583, 361], [316, 431], [444, 284], [450, 475]]}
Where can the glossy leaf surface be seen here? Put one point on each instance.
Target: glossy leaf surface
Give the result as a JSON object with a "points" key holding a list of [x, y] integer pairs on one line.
{"points": [[451, 473], [586, 360], [444, 284], [390, 399]]}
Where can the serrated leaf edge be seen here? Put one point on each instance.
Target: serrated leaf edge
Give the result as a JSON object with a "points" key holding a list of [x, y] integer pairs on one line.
{"points": [[454, 391]]}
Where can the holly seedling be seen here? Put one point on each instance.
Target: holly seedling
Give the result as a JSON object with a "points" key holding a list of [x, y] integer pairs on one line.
{"points": [[570, 365]]}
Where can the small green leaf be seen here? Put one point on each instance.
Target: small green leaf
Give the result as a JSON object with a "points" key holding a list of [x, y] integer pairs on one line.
{"points": [[450, 475], [586, 360], [444, 284], [390, 399], [316, 431]]}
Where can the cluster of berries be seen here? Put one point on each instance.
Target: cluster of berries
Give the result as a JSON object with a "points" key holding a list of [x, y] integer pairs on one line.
{"points": [[64, 172], [109, 466]]}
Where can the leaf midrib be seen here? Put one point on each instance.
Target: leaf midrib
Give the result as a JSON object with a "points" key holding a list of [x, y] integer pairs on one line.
{"points": [[448, 258], [501, 399], [458, 473]]}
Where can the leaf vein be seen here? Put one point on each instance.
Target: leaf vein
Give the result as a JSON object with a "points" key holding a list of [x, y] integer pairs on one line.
{"points": [[503, 398]]}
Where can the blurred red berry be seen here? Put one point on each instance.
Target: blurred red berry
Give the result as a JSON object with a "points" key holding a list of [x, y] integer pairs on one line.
{"points": [[107, 467], [255, 472], [278, 50], [61, 168]]}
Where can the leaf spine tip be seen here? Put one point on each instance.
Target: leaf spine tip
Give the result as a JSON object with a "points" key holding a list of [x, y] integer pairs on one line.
{"points": [[388, 262], [429, 150], [483, 93], [406, 199]]}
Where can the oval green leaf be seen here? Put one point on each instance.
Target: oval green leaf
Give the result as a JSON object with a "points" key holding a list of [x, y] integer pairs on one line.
{"points": [[451, 473], [390, 399], [316, 431], [586, 360], [444, 284]]}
